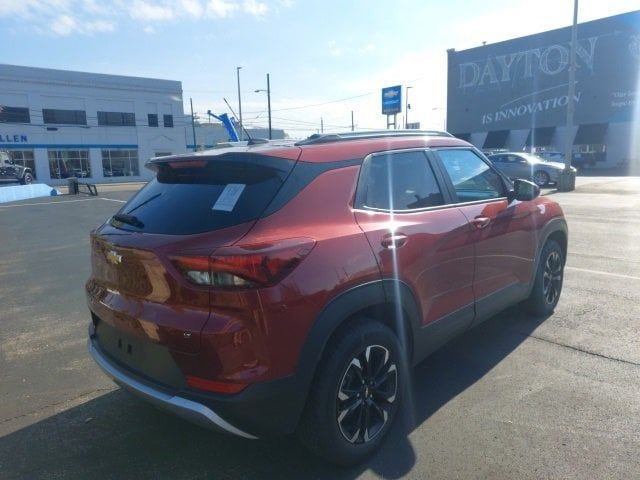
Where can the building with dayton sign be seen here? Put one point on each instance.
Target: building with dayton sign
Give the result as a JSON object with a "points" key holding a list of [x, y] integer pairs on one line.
{"points": [[94, 126], [513, 95]]}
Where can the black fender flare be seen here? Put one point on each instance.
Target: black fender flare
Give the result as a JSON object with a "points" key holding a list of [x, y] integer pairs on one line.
{"points": [[556, 224], [384, 291]]}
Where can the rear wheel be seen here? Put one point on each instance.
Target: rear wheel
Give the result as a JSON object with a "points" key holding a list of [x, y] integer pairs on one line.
{"points": [[27, 179], [548, 282], [355, 394], [541, 178]]}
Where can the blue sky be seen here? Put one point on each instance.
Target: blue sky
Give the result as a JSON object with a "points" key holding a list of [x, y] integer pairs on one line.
{"points": [[315, 52]]}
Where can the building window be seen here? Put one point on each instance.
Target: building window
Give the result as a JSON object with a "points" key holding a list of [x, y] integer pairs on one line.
{"points": [[64, 117], [168, 121], [69, 163], [116, 119], [153, 119], [24, 158], [120, 163], [14, 115]]}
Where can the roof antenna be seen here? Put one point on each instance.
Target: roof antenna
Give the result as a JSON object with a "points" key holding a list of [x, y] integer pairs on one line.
{"points": [[250, 142]]}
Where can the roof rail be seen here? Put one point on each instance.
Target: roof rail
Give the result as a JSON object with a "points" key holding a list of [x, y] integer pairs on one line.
{"points": [[318, 138]]}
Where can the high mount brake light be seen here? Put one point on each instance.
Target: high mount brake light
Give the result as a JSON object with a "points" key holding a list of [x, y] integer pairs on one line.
{"points": [[187, 164], [246, 266]]}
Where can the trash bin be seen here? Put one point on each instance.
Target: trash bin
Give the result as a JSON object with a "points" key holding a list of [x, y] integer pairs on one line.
{"points": [[72, 184]]}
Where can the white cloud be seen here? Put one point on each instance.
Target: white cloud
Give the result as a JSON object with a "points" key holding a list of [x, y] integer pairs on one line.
{"points": [[64, 25], [143, 10], [253, 7], [192, 8], [220, 8], [65, 17], [149, 29]]}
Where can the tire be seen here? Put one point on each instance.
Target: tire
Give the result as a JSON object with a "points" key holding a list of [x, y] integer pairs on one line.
{"points": [[548, 282], [338, 399], [27, 179], [541, 178]]}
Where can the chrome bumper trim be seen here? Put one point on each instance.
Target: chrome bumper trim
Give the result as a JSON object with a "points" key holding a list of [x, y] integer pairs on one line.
{"points": [[188, 409]]}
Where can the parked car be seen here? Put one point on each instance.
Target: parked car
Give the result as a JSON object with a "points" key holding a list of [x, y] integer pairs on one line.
{"points": [[289, 288], [10, 172], [551, 155], [527, 166]]}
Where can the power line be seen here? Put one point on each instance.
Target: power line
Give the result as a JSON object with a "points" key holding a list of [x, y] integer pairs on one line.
{"points": [[319, 104]]}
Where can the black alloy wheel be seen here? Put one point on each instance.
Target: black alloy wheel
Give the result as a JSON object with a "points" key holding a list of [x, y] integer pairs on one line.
{"points": [[356, 393], [552, 278], [366, 394], [547, 285]]}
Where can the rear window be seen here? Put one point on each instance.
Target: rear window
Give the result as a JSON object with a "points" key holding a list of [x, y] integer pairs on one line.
{"points": [[207, 195]]}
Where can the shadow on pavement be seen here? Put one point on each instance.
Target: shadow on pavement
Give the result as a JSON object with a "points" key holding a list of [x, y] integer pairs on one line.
{"points": [[118, 436]]}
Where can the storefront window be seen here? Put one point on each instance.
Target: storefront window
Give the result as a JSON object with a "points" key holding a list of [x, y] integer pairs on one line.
{"points": [[69, 163], [120, 163], [24, 158]]}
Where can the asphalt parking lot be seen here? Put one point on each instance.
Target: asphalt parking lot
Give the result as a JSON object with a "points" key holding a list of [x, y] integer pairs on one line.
{"points": [[517, 397]]}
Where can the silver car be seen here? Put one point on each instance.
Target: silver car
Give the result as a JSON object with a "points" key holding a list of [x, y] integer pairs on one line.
{"points": [[528, 167]]}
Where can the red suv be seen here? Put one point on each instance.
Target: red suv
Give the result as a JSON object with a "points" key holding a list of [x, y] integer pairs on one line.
{"points": [[279, 288]]}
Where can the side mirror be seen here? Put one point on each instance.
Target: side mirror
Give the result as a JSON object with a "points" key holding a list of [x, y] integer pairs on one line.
{"points": [[524, 190]]}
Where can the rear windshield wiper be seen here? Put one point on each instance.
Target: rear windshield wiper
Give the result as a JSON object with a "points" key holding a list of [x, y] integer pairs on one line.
{"points": [[153, 197], [128, 219]]}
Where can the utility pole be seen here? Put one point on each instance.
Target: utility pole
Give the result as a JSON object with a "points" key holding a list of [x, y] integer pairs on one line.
{"points": [[239, 102], [407, 106], [352, 125], [268, 90], [567, 178], [321, 125], [269, 104], [193, 126]]}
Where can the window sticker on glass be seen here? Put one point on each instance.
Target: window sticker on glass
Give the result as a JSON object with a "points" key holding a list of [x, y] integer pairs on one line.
{"points": [[229, 197]]}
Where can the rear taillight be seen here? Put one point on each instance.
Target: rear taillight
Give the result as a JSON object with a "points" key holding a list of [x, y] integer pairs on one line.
{"points": [[246, 266]]}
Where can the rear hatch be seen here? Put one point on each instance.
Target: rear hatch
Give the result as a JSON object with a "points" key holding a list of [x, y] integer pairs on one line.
{"points": [[193, 206]]}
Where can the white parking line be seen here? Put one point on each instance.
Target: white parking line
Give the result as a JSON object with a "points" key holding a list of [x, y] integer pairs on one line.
{"points": [[63, 201], [47, 203], [600, 272]]}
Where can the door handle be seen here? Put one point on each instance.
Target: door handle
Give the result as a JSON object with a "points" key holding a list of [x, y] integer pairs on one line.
{"points": [[393, 240], [481, 222]]}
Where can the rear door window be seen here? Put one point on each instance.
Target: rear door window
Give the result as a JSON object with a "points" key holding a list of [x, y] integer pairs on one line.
{"points": [[196, 196], [398, 181], [472, 178]]}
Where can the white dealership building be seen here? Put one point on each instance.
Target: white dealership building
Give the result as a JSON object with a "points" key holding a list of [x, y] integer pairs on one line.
{"points": [[101, 128]]}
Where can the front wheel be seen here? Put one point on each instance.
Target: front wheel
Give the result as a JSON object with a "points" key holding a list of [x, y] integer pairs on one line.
{"points": [[355, 394], [548, 282], [541, 178]]}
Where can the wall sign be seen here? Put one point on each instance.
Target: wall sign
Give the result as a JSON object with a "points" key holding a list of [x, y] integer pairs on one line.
{"points": [[6, 138], [523, 83]]}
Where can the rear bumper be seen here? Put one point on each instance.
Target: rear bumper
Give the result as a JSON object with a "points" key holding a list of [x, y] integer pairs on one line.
{"points": [[188, 409]]}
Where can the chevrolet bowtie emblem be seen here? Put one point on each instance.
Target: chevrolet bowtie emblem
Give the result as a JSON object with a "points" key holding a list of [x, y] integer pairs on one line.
{"points": [[113, 257]]}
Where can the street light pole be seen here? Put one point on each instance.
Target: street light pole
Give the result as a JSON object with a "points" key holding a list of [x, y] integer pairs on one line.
{"points": [[239, 103], [406, 107]]}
